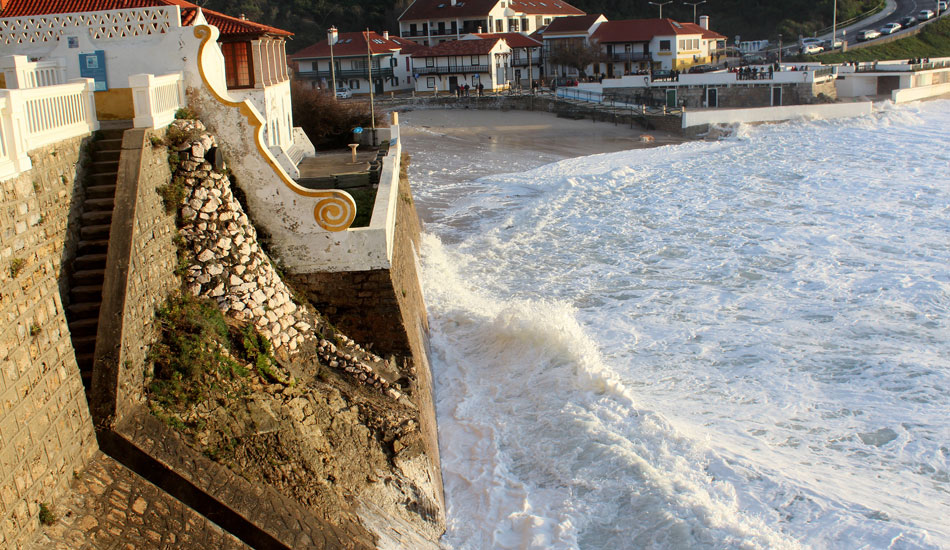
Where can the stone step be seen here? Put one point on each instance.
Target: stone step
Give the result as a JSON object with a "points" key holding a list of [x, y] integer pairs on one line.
{"points": [[107, 155], [99, 204], [95, 232], [84, 327], [85, 310], [92, 246], [101, 191], [84, 344], [86, 293], [90, 261], [99, 166], [107, 178], [107, 144], [88, 277], [96, 217]]}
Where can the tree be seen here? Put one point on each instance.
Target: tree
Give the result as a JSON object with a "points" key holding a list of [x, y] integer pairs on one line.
{"points": [[576, 54]]}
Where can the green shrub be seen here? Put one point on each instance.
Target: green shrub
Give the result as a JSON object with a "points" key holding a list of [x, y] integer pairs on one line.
{"points": [[185, 113], [327, 122], [47, 517], [16, 266], [172, 193]]}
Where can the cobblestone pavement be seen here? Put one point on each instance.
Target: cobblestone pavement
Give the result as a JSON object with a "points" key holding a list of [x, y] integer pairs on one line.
{"points": [[110, 507]]}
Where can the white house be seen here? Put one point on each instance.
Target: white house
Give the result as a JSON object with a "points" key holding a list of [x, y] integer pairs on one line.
{"points": [[567, 33], [351, 51], [444, 67], [655, 44], [115, 39], [526, 60], [431, 22]]}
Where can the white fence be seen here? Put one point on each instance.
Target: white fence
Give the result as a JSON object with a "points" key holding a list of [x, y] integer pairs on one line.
{"points": [[35, 117], [19, 72], [156, 98]]}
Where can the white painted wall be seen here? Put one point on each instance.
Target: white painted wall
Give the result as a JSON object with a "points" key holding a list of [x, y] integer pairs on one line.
{"points": [[775, 114], [857, 85], [923, 92]]}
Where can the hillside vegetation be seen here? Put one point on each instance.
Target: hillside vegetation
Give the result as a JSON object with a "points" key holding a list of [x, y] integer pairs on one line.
{"points": [[932, 41], [751, 19]]}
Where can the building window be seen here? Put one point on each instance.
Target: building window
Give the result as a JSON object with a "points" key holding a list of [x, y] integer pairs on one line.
{"points": [[524, 24], [664, 45], [412, 29], [237, 64], [499, 25], [430, 82], [512, 25], [474, 60], [354, 84], [430, 62]]}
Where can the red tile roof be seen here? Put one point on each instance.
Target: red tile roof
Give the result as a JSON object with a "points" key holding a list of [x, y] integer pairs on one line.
{"points": [[227, 25], [514, 39], [641, 30], [349, 44], [577, 24], [460, 47], [707, 34], [444, 9]]}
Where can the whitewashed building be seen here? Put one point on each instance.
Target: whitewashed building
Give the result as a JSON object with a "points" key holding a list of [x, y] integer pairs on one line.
{"points": [[351, 53], [446, 66], [430, 22]]}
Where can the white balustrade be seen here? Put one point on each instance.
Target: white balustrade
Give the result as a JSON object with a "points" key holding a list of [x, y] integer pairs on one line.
{"points": [[19, 72], [34, 117], [156, 98]]}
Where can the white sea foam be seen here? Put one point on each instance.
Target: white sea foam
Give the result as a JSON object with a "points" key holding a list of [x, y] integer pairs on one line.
{"points": [[740, 344]]}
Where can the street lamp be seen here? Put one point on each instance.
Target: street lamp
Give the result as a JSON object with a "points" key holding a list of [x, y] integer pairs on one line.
{"points": [[331, 38], [780, 51], [694, 4], [660, 5], [834, 25]]}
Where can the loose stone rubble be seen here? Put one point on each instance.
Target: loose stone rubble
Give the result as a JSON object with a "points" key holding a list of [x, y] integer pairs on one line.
{"points": [[229, 266]]}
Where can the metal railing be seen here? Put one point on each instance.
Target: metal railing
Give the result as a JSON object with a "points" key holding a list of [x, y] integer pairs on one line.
{"points": [[385, 72], [629, 56], [452, 69]]}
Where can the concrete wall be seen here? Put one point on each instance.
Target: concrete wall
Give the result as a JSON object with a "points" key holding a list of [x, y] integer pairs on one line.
{"points": [[45, 429], [774, 114], [914, 94], [140, 274]]}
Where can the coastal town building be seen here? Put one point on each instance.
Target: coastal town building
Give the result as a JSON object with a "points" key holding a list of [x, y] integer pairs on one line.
{"points": [[474, 62], [526, 59], [564, 36], [112, 40], [431, 22], [655, 44], [391, 65]]}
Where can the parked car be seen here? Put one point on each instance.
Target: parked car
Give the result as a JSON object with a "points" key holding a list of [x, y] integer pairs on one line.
{"points": [[890, 28], [941, 7], [811, 42], [868, 34], [810, 49], [924, 15], [908, 21], [344, 93], [837, 44], [702, 69]]}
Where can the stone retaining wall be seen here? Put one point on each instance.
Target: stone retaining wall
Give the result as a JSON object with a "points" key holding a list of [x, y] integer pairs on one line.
{"points": [[45, 429]]}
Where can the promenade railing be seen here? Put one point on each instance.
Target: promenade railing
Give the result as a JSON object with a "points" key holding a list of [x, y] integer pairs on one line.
{"points": [[156, 99]]}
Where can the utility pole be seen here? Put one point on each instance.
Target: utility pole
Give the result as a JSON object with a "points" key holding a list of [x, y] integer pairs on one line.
{"points": [[834, 25], [331, 38], [369, 74], [694, 4], [660, 5]]}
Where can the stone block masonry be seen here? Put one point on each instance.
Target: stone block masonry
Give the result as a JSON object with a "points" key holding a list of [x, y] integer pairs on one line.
{"points": [[45, 428]]}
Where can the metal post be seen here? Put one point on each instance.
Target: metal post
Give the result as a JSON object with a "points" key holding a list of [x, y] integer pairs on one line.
{"points": [[369, 74], [834, 25], [331, 38], [694, 4], [660, 5]]}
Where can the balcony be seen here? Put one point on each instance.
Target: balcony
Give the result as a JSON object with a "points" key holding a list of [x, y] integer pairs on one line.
{"points": [[452, 69], [385, 72], [524, 61], [629, 56]]}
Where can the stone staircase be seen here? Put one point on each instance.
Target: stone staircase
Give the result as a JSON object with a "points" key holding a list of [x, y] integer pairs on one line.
{"points": [[88, 269]]}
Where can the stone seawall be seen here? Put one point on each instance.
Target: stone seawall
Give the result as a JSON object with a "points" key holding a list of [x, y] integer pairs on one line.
{"points": [[46, 432]]}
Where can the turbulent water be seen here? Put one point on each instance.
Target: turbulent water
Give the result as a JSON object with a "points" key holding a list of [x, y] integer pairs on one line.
{"points": [[739, 344]]}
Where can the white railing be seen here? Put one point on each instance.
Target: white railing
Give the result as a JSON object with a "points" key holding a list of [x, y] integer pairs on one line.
{"points": [[19, 72], [35, 117], [156, 98]]}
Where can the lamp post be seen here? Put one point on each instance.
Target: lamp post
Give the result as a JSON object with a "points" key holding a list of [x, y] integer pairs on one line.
{"points": [[369, 74], [660, 5], [694, 4], [834, 25], [780, 51], [331, 38]]}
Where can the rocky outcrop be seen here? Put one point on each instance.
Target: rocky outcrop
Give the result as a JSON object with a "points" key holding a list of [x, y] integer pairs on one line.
{"points": [[334, 426]]}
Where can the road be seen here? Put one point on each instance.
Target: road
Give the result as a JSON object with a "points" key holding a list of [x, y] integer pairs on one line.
{"points": [[903, 9]]}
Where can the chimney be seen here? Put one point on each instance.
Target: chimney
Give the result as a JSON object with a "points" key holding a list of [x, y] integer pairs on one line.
{"points": [[704, 21], [243, 18], [479, 29], [453, 2], [332, 35], [385, 35]]}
